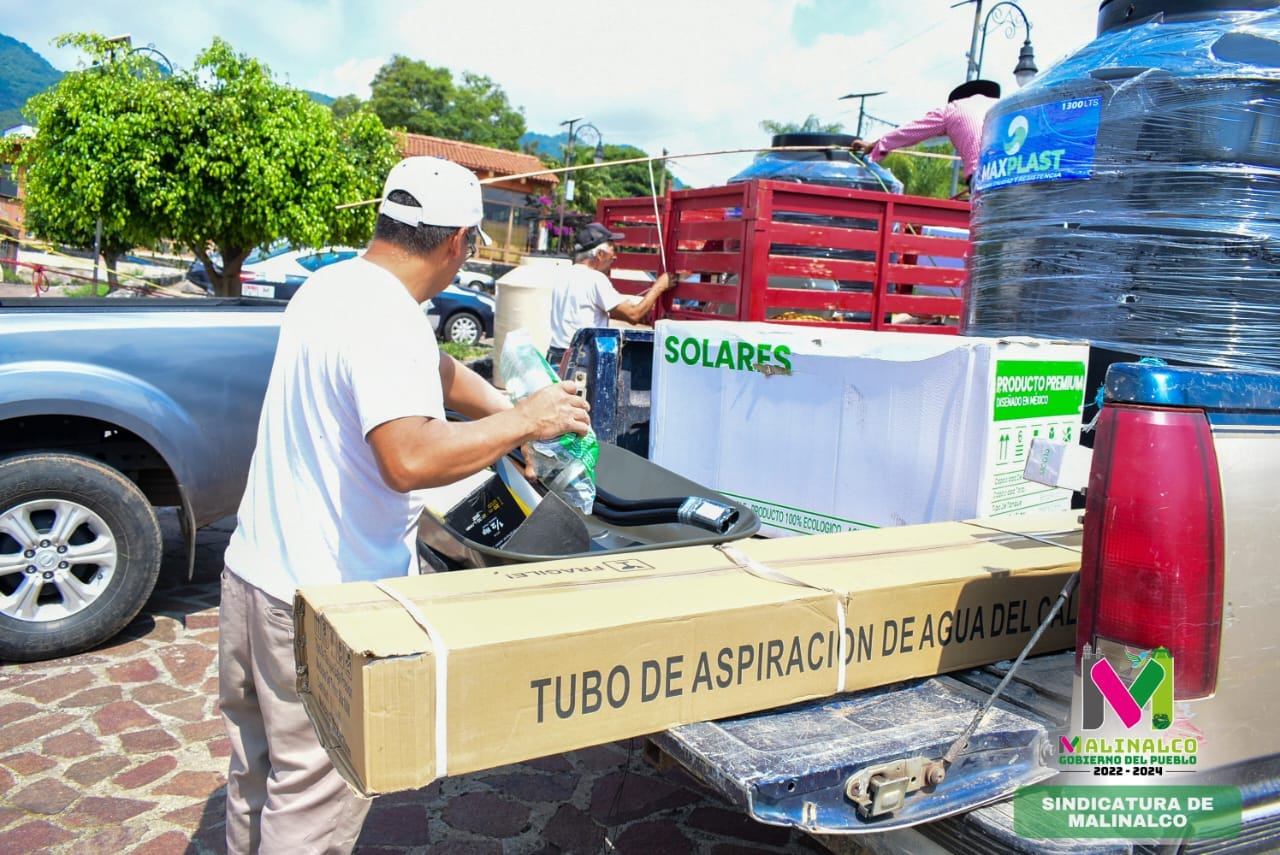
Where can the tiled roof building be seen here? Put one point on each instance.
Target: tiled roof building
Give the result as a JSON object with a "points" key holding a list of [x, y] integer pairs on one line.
{"points": [[510, 217], [485, 162]]}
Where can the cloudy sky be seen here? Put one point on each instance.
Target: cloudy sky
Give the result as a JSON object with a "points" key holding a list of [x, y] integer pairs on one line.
{"points": [[691, 76]]}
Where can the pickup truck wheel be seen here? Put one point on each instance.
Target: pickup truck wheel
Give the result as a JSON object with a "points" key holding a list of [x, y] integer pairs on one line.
{"points": [[463, 328], [80, 552]]}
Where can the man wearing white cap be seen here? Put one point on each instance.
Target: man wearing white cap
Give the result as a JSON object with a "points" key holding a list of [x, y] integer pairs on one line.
{"points": [[353, 425]]}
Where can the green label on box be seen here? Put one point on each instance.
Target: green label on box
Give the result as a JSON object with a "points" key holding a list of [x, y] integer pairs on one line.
{"points": [[1028, 389], [1137, 812]]}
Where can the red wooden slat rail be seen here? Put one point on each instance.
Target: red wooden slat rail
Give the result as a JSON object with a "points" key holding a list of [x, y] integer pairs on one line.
{"points": [[800, 254]]}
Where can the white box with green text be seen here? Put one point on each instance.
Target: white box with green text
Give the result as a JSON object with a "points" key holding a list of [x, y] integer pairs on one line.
{"points": [[822, 430]]}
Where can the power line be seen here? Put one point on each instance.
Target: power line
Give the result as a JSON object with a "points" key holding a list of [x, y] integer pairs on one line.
{"points": [[905, 42]]}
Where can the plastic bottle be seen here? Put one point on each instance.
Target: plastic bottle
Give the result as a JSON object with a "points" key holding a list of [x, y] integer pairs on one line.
{"points": [[566, 466]]}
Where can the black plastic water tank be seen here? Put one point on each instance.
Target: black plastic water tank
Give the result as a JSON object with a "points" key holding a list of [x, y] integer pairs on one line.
{"points": [[834, 167], [1130, 196]]}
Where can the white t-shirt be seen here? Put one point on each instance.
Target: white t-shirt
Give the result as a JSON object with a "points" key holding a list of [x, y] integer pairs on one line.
{"points": [[582, 298], [356, 351]]}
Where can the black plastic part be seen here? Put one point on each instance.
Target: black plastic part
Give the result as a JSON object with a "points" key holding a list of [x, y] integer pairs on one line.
{"points": [[618, 367], [1115, 14], [842, 140], [624, 475]]}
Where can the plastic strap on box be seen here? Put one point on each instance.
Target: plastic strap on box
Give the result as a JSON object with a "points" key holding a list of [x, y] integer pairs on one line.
{"points": [[762, 571], [441, 652]]}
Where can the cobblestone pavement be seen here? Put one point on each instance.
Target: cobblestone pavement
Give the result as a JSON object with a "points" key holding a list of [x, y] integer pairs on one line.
{"points": [[121, 750]]}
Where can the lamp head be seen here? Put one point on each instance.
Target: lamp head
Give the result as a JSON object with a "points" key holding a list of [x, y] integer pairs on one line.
{"points": [[1026, 67]]}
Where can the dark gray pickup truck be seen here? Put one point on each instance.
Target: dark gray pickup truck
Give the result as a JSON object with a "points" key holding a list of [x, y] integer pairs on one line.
{"points": [[109, 409]]}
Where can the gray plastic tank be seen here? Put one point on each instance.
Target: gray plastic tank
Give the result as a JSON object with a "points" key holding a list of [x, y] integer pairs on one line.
{"points": [[1130, 195]]}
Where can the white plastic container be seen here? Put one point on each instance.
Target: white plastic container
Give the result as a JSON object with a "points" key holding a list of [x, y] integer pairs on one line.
{"points": [[523, 297]]}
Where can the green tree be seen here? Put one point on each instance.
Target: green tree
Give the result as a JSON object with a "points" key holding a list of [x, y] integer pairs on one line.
{"points": [[95, 137], [614, 182], [423, 99], [260, 162], [811, 125], [345, 105], [923, 176], [217, 158]]}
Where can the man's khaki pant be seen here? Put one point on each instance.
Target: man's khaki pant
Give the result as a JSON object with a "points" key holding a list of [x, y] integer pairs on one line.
{"points": [[283, 794]]}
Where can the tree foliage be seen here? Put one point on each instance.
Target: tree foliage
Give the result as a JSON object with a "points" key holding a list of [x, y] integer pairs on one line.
{"points": [[423, 99], [220, 157], [90, 158], [811, 125], [923, 176], [614, 182]]}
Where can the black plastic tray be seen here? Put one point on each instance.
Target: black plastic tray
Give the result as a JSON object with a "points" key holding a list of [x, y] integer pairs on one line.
{"points": [[621, 473]]}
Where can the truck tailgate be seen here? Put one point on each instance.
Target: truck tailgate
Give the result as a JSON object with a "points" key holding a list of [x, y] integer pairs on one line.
{"points": [[790, 766]]}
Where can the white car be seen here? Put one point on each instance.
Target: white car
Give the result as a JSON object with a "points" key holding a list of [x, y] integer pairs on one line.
{"points": [[279, 274], [475, 280]]}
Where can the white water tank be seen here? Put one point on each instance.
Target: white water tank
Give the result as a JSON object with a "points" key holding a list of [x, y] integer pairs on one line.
{"points": [[524, 301]]}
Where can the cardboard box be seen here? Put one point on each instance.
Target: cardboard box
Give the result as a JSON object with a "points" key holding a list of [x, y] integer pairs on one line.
{"points": [[416, 678], [820, 430]]}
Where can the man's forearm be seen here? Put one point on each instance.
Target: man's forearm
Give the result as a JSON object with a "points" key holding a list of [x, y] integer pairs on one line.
{"points": [[467, 392], [635, 312]]}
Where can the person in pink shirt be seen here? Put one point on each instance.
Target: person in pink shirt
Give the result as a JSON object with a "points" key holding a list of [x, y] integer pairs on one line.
{"points": [[960, 121]]}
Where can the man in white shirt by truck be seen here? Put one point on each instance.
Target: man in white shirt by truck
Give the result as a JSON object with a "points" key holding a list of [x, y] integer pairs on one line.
{"points": [[584, 296]]}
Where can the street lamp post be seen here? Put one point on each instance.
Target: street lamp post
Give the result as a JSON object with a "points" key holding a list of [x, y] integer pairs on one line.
{"points": [[862, 105], [1003, 13], [566, 194]]}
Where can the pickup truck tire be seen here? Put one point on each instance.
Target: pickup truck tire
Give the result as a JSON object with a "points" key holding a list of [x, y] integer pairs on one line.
{"points": [[463, 328], [80, 553]]}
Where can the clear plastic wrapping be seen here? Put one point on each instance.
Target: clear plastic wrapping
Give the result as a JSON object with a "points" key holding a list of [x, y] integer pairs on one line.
{"points": [[1152, 223]]}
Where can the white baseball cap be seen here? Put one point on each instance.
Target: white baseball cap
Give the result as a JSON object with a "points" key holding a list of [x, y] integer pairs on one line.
{"points": [[448, 194]]}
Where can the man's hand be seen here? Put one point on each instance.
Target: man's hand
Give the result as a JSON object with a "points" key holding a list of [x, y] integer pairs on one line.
{"points": [[862, 146], [668, 280], [555, 411]]}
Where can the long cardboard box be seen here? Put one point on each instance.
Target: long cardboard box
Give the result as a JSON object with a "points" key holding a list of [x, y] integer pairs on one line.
{"points": [[416, 678], [820, 430]]}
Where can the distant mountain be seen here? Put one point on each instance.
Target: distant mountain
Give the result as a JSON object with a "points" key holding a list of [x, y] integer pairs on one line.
{"points": [[542, 144], [320, 98], [550, 146], [23, 73]]}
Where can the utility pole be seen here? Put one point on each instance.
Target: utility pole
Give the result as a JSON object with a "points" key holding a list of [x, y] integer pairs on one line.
{"points": [[566, 187], [862, 106], [971, 72]]}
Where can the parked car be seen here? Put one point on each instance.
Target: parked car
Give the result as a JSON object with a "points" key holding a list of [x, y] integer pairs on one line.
{"points": [[476, 280], [460, 315], [277, 272]]}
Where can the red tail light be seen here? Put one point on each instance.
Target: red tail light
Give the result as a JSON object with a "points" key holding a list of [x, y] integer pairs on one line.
{"points": [[1152, 565]]}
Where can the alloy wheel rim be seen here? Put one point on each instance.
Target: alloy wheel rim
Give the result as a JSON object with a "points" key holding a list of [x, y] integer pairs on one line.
{"points": [[57, 557]]}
